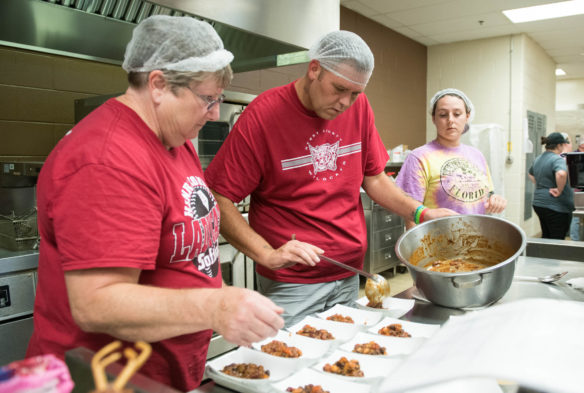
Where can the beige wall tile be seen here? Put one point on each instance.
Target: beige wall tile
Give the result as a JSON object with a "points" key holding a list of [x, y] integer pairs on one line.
{"points": [[89, 77], [270, 79], [247, 80], [32, 104], [25, 139], [37, 87], [25, 68]]}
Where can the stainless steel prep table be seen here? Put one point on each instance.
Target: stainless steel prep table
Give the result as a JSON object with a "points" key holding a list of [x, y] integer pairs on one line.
{"points": [[426, 312]]}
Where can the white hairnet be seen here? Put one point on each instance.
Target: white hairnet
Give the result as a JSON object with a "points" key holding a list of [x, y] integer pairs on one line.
{"points": [[455, 92], [174, 43], [345, 54]]}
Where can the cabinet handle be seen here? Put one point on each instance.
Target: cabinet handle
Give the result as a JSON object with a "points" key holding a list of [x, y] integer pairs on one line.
{"points": [[387, 255], [387, 237], [388, 218]]}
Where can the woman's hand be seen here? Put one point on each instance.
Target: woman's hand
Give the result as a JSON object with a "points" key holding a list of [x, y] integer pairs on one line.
{"points": [[243, 316], [555, 192], [495, 204]]}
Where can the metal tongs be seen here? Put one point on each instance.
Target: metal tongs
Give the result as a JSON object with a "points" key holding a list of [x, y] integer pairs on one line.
{"points": [[109, 354]]}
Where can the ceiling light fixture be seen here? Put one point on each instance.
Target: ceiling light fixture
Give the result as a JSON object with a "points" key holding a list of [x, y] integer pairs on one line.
{"points": [[545, 11], [560, 72]]}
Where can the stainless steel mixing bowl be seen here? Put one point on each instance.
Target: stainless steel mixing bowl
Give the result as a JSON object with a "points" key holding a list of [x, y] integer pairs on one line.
{"points": [[479, 238]]}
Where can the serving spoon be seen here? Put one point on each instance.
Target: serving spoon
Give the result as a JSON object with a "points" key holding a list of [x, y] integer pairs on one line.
{"points": [[376, 287], [545, 279]]}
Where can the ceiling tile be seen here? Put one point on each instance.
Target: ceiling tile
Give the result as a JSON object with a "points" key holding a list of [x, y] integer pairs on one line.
{"points": [[461, 24], [387, 21], [385, 6], [426, 41], [408, 32], [432, 22], [360, 8]]}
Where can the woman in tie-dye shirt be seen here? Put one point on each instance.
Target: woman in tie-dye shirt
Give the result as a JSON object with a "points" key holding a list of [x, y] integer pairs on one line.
{"points": [[445, 172]]}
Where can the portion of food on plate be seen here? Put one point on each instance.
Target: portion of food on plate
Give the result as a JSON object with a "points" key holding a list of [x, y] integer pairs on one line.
{"points": [[312, 332], [346, 367], [394, 330], [455, 266], [310, 388], [375, 304], [246, 370], [279, 348], [340, 318], [370, 348]]}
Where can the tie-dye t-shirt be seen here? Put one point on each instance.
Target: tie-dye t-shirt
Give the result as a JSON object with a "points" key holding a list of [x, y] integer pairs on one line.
{"points": [[455, 178]]}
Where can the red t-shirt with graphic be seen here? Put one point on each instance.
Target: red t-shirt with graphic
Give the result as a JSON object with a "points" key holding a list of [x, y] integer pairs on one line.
{"points": [[304, 175], [111, 195]]}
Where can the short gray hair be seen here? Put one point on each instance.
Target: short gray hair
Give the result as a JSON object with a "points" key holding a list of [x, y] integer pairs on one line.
{"points": [[178, 79]]}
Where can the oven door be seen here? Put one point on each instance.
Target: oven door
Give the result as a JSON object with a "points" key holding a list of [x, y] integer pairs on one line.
{"points": [[575, 162]]}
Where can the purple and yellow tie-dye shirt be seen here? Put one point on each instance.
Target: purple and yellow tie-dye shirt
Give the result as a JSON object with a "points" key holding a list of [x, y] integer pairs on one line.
{"points": [[455, 178]]}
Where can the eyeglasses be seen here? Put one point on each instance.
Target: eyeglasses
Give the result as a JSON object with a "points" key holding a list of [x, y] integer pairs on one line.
{"points": [[208, 99]]}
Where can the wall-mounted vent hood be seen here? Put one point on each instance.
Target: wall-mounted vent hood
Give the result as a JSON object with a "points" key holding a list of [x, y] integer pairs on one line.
{"points": [[260, 33]]}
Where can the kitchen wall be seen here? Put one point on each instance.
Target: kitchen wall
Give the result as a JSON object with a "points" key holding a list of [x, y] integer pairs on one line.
{"points": [[504, 77], [37, 93], [570, 108], [37, 90]]}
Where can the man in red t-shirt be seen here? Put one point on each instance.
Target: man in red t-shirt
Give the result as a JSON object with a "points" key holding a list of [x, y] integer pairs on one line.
{"points": [[129, 229], [303, 151]]}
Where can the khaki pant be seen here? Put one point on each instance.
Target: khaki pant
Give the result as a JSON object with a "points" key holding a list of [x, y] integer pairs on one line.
{"points": [[300, 300]]}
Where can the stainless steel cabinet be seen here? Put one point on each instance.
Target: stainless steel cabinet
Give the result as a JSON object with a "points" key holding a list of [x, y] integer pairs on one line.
{"points": [[17, 292], [383, 230]]}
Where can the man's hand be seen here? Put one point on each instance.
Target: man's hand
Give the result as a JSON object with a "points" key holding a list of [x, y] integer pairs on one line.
{"points": [[243, 316], [291, 253]]}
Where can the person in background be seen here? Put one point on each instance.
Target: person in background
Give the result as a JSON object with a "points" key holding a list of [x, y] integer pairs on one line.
{"points": [[553, 199], [575, 224], [303, 151], [129, 228], [568, 145], [445, 172]]}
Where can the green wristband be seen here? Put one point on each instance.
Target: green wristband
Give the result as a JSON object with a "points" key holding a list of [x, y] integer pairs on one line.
{"points": [[417, 213]]}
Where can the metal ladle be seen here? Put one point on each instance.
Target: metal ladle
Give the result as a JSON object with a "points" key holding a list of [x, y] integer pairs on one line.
{"points": [[376, 287]]}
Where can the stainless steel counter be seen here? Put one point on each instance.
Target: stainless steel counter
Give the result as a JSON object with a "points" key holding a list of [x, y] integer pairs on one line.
{"points": [[426, 312]]}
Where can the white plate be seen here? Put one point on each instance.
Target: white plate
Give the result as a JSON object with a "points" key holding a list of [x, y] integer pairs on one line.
{"points": [[363, 318], [374, 368], [341, 331], [328, 382], [415, 329], [279, 368], [311, 349], [392, 306], [394, 346]]}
